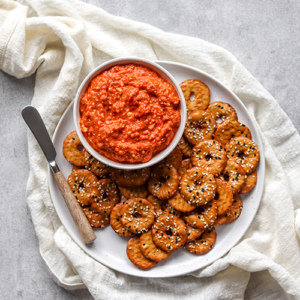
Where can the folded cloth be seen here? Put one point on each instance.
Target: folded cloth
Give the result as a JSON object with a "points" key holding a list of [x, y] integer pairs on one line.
{"points": [[62, 41]]}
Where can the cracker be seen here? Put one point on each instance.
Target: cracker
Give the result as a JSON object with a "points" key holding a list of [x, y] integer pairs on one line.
{"points": [[95, 166], [131, 178], [115, 222], [137, 215], [236, 209], [185, 147], [185, 165], [245, 152], [203, 216], [174, 159], [163, 182], [73, 150], [169, 210], [197, 186], [249, 183], [229, 130], [80, 182], [74, 168], [169, 233], [204, 243], [234, 175], [178, 203], [222, 112], [150, 250], [95, 219], [223, 196], [221, 219], [134, 192], [200, 126], [209, 155], [105, 195], [201, 92], [193, 233], [157, 205], [136, 256]]}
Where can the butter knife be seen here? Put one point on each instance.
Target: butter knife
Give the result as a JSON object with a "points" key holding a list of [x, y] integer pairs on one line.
{"points": [[34, 121]]}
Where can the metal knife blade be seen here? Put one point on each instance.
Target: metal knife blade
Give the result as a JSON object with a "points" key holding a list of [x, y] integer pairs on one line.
{"points": [[34, 121]]}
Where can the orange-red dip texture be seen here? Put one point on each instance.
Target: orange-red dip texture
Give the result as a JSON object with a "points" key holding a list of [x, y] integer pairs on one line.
{"points": [[129, 114]]}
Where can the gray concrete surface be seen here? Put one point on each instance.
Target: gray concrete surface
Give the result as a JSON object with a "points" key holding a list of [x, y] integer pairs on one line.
{"points": [[263, 35]]}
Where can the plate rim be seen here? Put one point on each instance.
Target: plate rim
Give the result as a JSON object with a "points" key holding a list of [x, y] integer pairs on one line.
{"points": [[222, 253]]}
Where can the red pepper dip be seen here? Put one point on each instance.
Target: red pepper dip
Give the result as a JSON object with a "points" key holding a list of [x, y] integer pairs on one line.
{"points": [[129, 113]]}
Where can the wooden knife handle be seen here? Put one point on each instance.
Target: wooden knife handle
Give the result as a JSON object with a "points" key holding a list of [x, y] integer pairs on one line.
{"points": [[81, 221]]}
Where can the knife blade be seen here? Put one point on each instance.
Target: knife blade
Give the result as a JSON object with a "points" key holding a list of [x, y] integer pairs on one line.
{"points": [[35, 123]]}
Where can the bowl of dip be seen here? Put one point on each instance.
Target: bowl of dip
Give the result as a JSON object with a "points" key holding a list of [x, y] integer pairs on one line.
{"points": [[129, 113]]}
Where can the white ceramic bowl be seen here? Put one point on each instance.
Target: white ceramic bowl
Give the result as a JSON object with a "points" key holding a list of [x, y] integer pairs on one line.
{"points": [[161, 72]]}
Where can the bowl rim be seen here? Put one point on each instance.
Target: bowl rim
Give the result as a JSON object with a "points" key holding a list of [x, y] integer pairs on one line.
{"points": [[127, 60]]}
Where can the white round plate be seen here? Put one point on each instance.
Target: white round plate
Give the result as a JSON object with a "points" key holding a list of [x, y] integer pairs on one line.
{"points": [[110, 249]]}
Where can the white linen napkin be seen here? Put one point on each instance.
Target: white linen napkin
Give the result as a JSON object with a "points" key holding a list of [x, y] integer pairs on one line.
{"points": [[62, 41]]}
